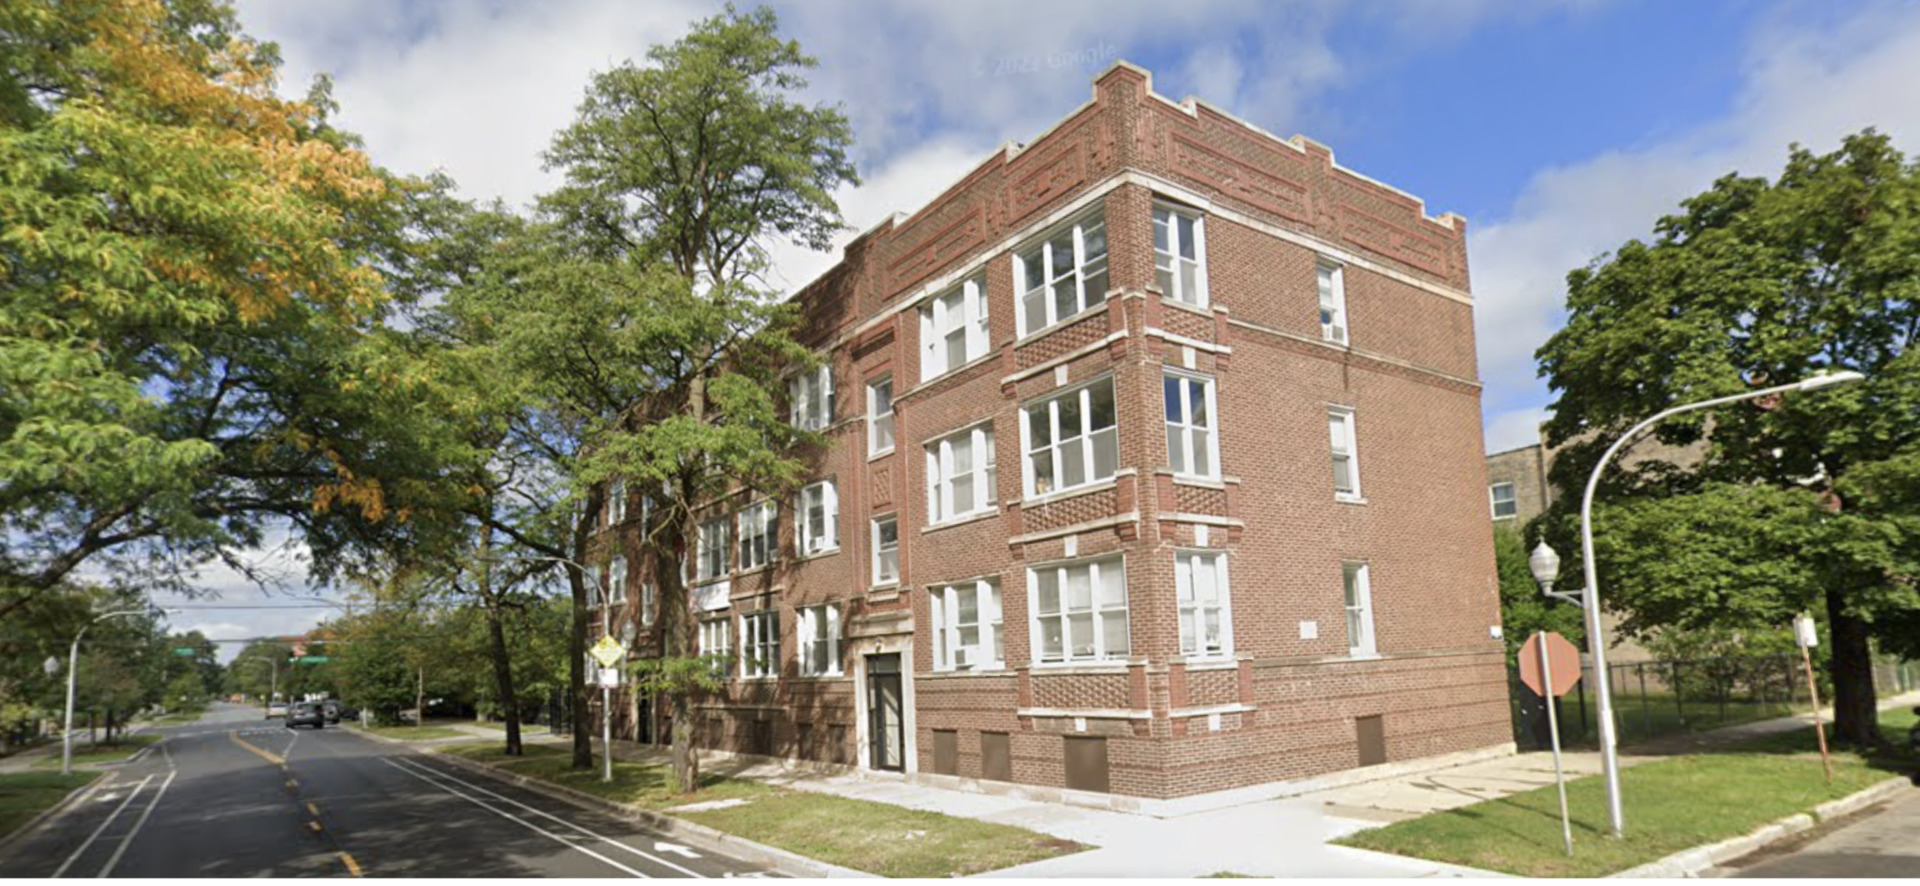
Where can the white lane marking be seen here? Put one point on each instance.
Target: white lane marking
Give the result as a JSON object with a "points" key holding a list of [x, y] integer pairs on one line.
{"points": [[103, 826], [518, 820], [554, 818], [138, 823], [676, 849]]}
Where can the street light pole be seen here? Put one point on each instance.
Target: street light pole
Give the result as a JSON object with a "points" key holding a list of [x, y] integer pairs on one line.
{"points": [[1590, 596], [73, 674]]}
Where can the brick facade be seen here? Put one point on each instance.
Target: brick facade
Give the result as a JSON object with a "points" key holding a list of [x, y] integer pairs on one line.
{"points": [[1283, 704]]}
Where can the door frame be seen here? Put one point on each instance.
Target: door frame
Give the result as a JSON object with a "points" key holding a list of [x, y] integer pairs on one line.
{"points": [[862, 719]]}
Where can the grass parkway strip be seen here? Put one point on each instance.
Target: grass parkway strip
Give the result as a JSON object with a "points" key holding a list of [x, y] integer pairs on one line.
{"points": [[875, 837], [1672, 805]]}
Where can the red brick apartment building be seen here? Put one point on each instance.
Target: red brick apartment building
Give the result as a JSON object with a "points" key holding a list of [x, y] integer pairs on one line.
{"points": [[1155, 471]]}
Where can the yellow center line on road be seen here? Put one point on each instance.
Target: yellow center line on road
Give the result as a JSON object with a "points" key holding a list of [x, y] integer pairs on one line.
{"points": [[314, 825], [353, 867], [268, 756], [312, 809]]}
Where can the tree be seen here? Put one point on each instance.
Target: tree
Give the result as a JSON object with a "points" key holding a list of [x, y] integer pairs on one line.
{"points": [[1806, 501], [631, 315], [187, 270]]}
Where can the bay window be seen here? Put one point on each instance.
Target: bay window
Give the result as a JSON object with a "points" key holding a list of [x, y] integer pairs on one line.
{"points": [[1062, 275], [1206, 625], [1193, 445], [1080, 610], [1179, 255], [1071, 439]]}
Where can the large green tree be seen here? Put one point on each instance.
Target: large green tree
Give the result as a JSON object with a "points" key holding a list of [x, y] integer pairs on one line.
{"points": [[1805, 502], [188, 265]]}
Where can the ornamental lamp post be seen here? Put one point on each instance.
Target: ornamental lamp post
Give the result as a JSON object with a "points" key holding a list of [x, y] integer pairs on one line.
{"points": [[73, 673]]}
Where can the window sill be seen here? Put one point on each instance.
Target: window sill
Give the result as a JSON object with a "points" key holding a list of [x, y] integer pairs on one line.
{"points": [[1081, 667], [997, 670], [770, 678], [1350, 499], [1180, 479], [1075, 492], [1204, 308], [1507, 517], [881, 453], [815, 678], [934, 380], [1032, 336], [1362, 656], [756, 570], [962, 520], [1221, 662], [825, 552]]}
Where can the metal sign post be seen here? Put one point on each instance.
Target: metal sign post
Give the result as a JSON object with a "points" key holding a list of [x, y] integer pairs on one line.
{"points": [[608, 652], [1553, 728], [1545, 647], [1806, 638]]}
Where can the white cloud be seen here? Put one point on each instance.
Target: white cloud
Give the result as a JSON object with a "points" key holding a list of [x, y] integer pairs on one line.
{"points": [[1804, 85]]}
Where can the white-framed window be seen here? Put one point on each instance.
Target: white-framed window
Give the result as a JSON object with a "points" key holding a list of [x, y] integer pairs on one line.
{"points": [[960, 474], [1505, 506], [967, 634], [1071, 439], [819, 518], [886, 550], [1179, 255], [1206, 615], [1358, 588], [760, 643], [1193, 441], [757, 535], [649, 604], [617, 580], [953, 329], [646, 513], [820, 640], [1346, 458], [616, 502], [716, 643], [595, 575], [1063, 274], [710, 555], [1080, 610], [880, 415], [1333, 302], [812, 397]]}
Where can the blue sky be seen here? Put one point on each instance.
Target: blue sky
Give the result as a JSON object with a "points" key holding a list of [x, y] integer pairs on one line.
{"points": [[1559, 128]]}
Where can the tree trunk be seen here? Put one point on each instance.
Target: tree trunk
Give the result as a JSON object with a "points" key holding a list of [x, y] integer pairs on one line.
{"points": [[1856, 714], [503, 677], [686, 763], [577, 639]]}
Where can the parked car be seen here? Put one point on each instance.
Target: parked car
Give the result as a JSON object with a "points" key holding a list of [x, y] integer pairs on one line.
{"points": [[276, 709], [330, 709], [306, 713]]}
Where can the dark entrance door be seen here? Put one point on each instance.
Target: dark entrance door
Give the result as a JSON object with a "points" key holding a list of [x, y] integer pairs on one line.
{"points": [[886, 724]]}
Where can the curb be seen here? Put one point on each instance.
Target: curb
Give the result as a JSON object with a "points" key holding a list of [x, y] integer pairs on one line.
{"points": [[32, 825], [1690, 862], [782, 861]]}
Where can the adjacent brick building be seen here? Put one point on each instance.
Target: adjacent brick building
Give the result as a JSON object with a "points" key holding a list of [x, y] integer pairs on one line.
{"points": [[1155, 470]]}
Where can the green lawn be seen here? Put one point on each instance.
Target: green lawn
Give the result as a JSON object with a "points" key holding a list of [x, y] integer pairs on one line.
{"points": [[525, 728], [126, 746], [875, 837], [22, 796], [1671, 805], [1657, 714], [413, 733], [494, 751]]}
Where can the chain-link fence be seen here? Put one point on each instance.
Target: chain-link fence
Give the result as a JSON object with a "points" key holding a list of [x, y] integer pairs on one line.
{"points": [[1656, 698]]}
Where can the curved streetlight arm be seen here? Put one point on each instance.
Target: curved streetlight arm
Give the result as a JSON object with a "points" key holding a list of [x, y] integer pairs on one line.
{"points": [[1590, 596], [73, 675]]}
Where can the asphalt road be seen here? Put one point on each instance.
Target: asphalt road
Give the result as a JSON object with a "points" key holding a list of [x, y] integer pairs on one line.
{"points": [[238, 796], [1884, 844]]}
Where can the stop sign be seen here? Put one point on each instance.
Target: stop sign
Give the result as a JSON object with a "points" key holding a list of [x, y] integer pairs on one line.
{"points": [[1564, 659]]}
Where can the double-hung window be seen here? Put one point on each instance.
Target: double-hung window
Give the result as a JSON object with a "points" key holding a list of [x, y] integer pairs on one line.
{"points": [[1080, 610], [960, 475], [886, 550], [595, 575], [812, 396], [1193, 444], [710, 557], [1505, 507], [649, 607], [820, 640], [1179, 255], [1062, 275], [1346, 461], [617, 581], [1359, 602], [1333, 302], [880, 415], [1206, 624], [757, 545], [616, 502], [1071, 439], [760, 643], [953, 329], [819, 518], [715, 644], [966, 626]]}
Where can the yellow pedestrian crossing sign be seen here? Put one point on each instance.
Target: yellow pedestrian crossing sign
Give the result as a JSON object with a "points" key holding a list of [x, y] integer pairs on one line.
{"points": [[608, 652]]}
